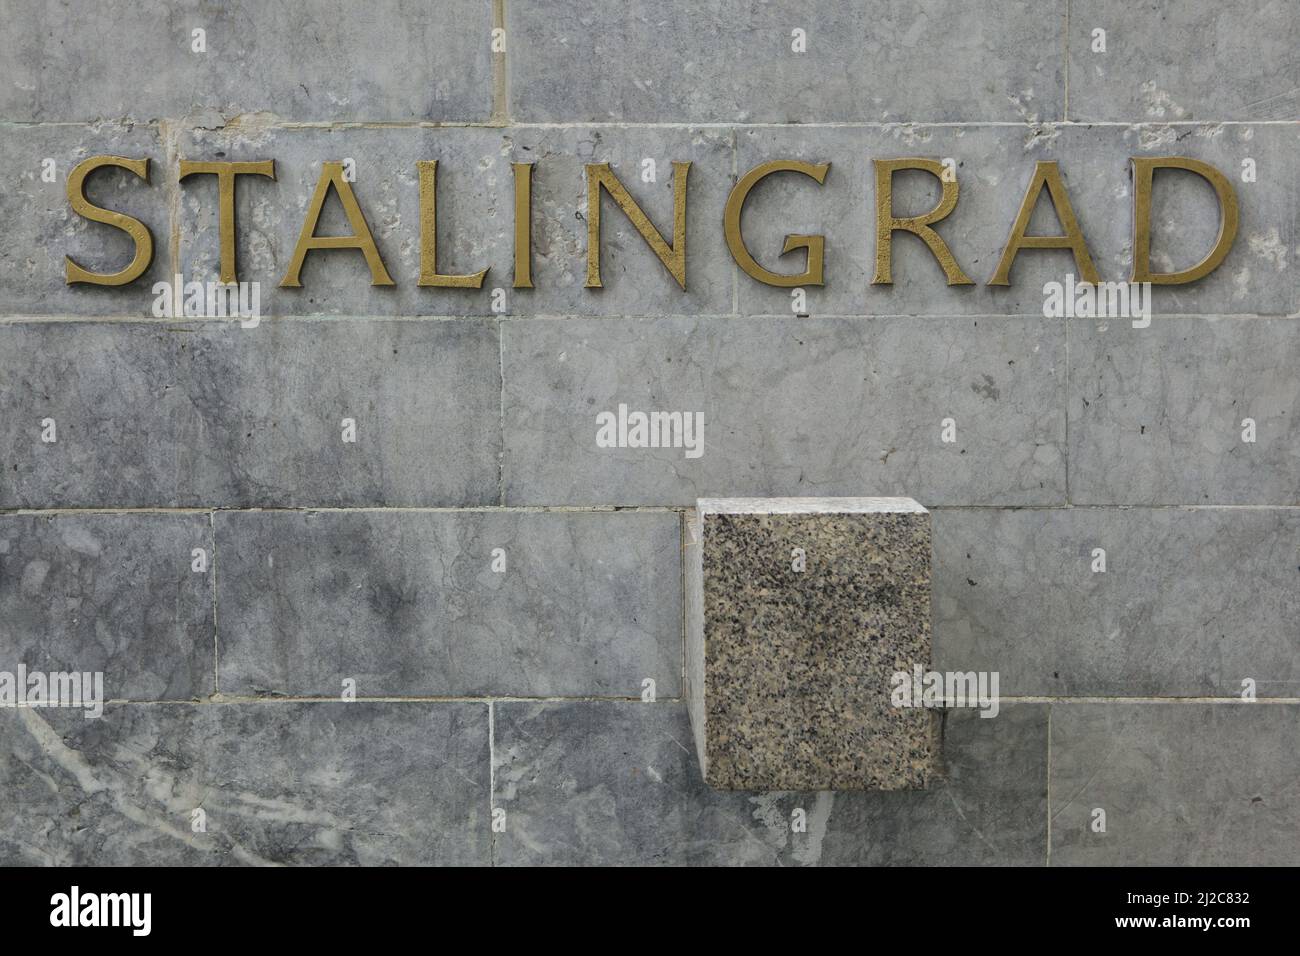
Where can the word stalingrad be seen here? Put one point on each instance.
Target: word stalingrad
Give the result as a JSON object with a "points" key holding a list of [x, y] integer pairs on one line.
{"points": [[602, 180]]}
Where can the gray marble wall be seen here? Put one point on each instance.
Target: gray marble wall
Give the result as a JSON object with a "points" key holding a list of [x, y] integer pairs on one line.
{"points": [[458, 639]]}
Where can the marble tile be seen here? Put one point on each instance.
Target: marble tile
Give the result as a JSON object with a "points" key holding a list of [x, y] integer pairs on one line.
{"points": [[449, 603], [605, 783], [1179, 784], [116, 594], [322, 784]]}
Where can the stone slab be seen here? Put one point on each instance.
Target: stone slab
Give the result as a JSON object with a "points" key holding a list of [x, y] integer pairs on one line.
{"points": [[797, 407], [735, 61], [319, 784], [386, 61], [409, 604], [1227, 60], [613, 783], [1180, 784], [1191, 602], [110, 593], [1158, 415], [208, 414], [42, 230], [475, 218]]}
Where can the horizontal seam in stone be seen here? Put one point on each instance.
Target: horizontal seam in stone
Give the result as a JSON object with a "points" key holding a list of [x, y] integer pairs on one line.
{"points": [[227, 699], [497, 125], [66, 318]]}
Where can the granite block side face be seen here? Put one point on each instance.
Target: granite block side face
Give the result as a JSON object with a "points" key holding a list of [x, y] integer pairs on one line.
{"points": [[114, 594], [993, 168], [449, 604], [1164, 415], [1120, 603], [1186, 785], [736, 61], [788, 406], [392, 60], [212, 415], [321, 784], [475, 218], [42, 230], [1228, 60], [805, 617], [587, 783]]}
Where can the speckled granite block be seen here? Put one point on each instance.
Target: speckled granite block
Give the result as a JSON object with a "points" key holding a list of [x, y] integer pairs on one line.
{"points": [[799, 611]]}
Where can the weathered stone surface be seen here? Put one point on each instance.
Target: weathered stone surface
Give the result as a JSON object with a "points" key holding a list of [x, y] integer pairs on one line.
{"points": [[1070, 435], [791, 406], [613, 782], [475, 214], [409, 603], [734, 61], [210, 414], [41, 229], [476, 217], [1190, 604], [1226, 60], [1158, 415], [391, 60], [993, 168], [1181, 784], [320, 784], [799, 612], [113, 593]]}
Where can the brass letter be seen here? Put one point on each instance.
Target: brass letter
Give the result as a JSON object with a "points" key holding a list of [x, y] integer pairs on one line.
{"points": [[134, 228], [429, 235], [332, 174], [887, 224], [1046, 173], [673, 257], [816, 245], [523, 224], [226, 173], [1143, 169]]}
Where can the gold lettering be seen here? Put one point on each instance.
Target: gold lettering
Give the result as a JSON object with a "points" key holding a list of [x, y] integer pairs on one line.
{"points": [[134, 228], [1046, 175], [331, 174], [599, 176], [815, 245], [1144, 168], [429, 235], [523, 224], [226, 173], [887, 224]]}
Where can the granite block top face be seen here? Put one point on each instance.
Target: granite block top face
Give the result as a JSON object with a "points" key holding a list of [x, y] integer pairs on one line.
{"points": [[805, 612]]}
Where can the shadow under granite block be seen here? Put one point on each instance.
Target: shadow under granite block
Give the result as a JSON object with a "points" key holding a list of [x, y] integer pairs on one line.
{"points": [[799, 612], [617, 783]]}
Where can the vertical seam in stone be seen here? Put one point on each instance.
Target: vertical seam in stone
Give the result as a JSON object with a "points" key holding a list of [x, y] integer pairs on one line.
{"points": [[216, 659], [492, 784], [1065, 410], [501, 414], [1049, 785], [681, 573], [500, 88]]}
